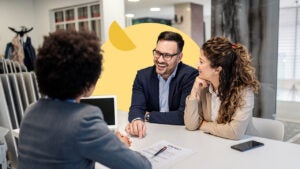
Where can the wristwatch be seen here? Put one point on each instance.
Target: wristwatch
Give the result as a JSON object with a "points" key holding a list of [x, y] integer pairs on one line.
{"points": [[147, 117]]}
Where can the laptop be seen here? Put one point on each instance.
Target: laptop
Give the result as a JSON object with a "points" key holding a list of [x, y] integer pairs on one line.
{"points": [[108, 106]]}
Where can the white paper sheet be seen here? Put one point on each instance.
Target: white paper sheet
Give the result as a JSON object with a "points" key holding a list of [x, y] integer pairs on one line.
{"points": [[165, 159]]}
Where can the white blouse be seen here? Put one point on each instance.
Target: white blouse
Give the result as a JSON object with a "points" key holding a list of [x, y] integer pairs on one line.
{"points": [[215, 103]]}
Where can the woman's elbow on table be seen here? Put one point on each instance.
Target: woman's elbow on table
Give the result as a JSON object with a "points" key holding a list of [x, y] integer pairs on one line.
{"points": [[192, 125], [236, 135]]}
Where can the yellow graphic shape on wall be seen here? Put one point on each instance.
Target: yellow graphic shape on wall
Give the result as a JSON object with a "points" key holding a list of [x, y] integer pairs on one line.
{"points": [[119, 38], [120, 65]]}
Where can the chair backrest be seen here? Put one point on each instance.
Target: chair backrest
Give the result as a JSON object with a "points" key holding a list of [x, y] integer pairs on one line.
{"points": [[268, 128]]}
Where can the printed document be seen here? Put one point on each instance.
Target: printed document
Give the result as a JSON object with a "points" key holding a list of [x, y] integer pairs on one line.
{"points": [[167, 157]]}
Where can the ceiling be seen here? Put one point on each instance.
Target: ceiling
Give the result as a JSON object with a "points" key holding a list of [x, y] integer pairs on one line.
{"points": [[141, 8]]}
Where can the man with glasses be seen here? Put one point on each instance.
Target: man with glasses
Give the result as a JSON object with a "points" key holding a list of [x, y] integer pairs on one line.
{"points": [[159, 91]]}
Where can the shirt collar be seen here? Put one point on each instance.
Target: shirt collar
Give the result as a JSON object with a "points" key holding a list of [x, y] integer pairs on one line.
{"points": [[171, 76], [210, 89], [66, 100]]}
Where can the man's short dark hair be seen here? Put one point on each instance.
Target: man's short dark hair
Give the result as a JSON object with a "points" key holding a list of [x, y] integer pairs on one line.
{"points": [[172, 36]]}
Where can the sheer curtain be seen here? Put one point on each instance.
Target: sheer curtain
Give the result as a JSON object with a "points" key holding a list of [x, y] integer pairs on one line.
{"points": [[253, 23], [289, 55]]}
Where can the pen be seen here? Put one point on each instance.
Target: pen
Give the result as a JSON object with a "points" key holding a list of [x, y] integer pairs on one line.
{"points": [[160, 151]]}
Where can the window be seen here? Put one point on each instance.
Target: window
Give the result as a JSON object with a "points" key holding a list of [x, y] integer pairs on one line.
{"points": [[288, 85], [84, 18], [95, 12], [59, 16], [82, 13], [70, 15]]}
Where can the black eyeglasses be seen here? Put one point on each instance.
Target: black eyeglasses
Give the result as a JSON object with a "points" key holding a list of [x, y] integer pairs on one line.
{"points": [[166, 56]]}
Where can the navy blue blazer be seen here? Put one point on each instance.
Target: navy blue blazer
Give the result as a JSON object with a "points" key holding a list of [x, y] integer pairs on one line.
{"points": [[145, 95]]}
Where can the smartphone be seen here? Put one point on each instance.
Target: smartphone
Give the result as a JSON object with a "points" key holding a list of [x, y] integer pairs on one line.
{"points": [[248, 145]]}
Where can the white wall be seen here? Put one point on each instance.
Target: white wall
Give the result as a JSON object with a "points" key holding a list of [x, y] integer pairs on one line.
{"points": [[113, 10], [168, 10], [288, 111], [43, 14], [37, 14], [110, 11], [15, 13]]}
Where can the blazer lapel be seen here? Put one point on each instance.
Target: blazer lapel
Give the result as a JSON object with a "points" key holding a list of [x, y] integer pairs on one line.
{"points": [[173, 84], [154, 88], [171, 91]]}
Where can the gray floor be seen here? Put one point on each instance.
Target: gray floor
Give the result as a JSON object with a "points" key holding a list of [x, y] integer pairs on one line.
{"points": [[291, 132]]}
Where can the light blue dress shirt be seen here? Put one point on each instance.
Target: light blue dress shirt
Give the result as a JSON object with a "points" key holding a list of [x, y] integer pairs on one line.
{"points": [[164, 86]]}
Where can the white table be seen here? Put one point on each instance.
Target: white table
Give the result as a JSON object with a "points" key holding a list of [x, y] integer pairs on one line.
{"points": [[211, 152]]}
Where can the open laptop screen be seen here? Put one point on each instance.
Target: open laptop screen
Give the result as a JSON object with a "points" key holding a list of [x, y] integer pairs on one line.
{"points": [[108, 105]]}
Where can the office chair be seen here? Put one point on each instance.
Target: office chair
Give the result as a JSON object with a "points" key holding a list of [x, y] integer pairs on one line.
{"points": [[3, 148], [268, 128]]}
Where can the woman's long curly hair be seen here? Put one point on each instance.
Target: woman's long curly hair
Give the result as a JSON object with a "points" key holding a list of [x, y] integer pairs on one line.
{"points": [[237, 74]]}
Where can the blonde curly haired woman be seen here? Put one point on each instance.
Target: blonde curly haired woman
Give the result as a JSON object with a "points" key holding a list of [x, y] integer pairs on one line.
{"points": [[222, 98]]}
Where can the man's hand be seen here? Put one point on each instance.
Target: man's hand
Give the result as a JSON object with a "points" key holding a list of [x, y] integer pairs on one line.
{"points": [[136, 128], [123, 139]]}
